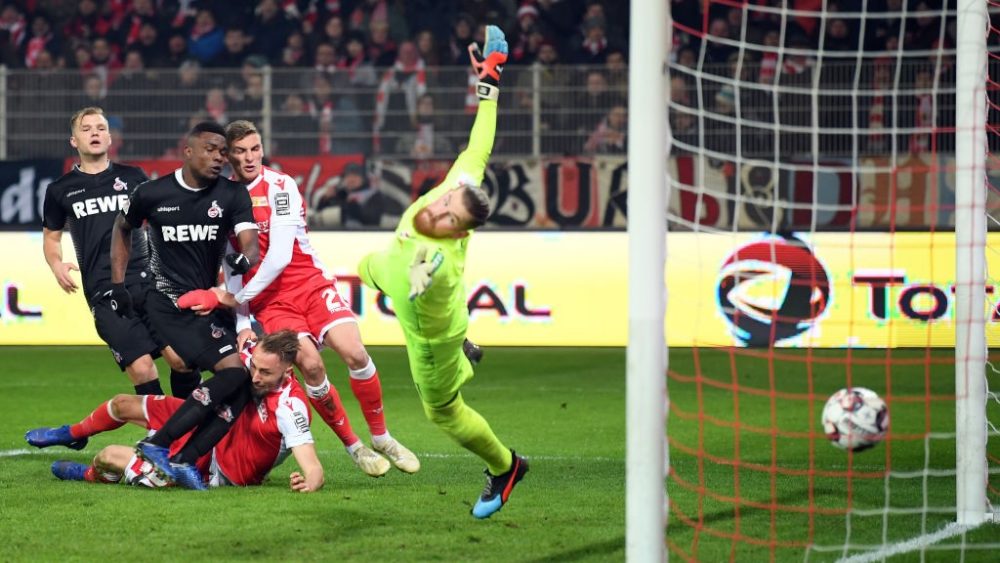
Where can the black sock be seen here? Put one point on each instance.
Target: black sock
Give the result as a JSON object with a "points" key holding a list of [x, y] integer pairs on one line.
{"points": [[149, 388], [209, 433], [201, 405], [182, 383]]}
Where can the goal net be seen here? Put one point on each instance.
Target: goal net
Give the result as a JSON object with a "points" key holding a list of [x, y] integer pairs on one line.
{"points": [[828, 231]]}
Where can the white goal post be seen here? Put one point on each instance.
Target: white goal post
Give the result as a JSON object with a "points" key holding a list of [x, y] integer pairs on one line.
{"points": [[971, 353]]}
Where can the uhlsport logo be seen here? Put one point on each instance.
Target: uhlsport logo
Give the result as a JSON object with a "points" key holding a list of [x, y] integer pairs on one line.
{"points": [[771, 290]]}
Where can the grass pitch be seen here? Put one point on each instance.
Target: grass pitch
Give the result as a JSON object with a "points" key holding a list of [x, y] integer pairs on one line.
{"points": [[754, 479]]}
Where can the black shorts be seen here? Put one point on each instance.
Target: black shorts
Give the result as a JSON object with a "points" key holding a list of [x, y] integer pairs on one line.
{"points": [[200, 340], [128, 338]]}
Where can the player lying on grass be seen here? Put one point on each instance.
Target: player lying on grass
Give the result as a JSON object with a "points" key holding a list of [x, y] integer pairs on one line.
{"points": [[422, 273], [274, 424]]}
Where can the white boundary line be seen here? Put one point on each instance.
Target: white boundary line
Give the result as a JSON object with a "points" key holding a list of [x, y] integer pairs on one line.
{"points": [[913, 544]]}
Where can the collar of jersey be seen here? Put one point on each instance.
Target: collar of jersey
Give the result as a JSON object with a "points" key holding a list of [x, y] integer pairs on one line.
{"points": [[179, 176]]}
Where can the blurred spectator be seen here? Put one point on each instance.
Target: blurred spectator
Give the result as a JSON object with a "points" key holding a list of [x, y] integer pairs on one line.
{"points": [[553, 86], [148, 44], [527, 18], [609, 137], [270, 30], [13, 22], [381, 48], [616, 71], [427, 139], [176, 151], [87, 23], [235, 49], [360, 70], [177, 50], [350, 202], [922, 114], [591, 103], [205, 40], [391, 13], [594, 46], [94, 92], [879, 106], [325, 58], [332, 32], [294, 54], [398, 91], [717, 50], [427, 47], [295, 131], [839, 36], [216, 106], [41, 38], [104, 60], [458, 43], [341, 129], [133, 94], [131, 20]]}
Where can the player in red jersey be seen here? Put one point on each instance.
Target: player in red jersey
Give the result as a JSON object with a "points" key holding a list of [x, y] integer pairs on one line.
{"points": [[273, 425], [291, 290]]}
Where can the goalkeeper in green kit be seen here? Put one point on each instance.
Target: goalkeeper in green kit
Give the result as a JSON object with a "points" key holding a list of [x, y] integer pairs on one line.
{"points": [[421, 272]]}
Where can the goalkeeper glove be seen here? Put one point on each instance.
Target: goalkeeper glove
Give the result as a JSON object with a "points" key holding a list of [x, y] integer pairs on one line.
{"points": [[422, 271], [120, 300], [489, 64], [238, 263]]}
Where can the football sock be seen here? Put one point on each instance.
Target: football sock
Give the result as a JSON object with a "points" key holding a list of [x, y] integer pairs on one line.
{"points": [[472, 432], [212, 430], [201, 405], [182, 383], [101, 420], [149, 388], [368, 390], [326, 402]]}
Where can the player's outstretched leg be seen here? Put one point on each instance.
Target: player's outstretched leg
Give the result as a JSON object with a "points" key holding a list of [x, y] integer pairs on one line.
{"points": [[368, 461], [70, 470], [158, 457], [45, 436], [499, 487], [397, 453]]}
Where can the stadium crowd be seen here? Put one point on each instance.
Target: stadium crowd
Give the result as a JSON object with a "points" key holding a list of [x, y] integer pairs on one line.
{"points": [[368, 76]]}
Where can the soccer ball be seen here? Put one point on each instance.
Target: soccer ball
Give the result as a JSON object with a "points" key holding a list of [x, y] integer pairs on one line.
{"points": [[855, 419]]}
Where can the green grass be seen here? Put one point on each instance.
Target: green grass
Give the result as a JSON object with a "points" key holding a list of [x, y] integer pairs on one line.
{"points": [[564, 409]]}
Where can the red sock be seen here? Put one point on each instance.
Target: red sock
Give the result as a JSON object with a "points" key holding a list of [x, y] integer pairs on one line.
{"points": [[331, 410], [93, 476], [369, 395], [99, 421]]}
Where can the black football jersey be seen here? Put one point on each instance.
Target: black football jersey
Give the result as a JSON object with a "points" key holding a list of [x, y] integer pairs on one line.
{"points": [[188, 229], [89, 204]]}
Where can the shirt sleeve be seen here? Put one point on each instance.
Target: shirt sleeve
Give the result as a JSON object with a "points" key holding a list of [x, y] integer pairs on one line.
{"points": [[134, 211], [280, 245], [286, 204], [242, 211], [53, 214], [293, 422]]}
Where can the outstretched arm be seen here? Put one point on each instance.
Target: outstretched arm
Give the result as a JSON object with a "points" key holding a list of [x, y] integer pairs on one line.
{"points": [[488, 65]]}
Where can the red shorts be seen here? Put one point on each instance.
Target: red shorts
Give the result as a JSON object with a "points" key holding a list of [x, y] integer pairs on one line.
{"points": [[158, 409], [312, 312]]}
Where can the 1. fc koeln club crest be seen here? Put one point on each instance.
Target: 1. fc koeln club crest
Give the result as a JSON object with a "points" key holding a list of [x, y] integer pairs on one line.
{"points": [[217, 331], [214, 211], [119, 185], [772, 289]]}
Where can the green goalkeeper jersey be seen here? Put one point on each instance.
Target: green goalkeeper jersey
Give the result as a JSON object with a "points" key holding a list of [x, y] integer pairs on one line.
{"points": [[441, 313]]}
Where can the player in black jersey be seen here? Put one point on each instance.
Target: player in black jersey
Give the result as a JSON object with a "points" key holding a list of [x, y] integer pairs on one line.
{"points": [[86, 200], [190, 214]]}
